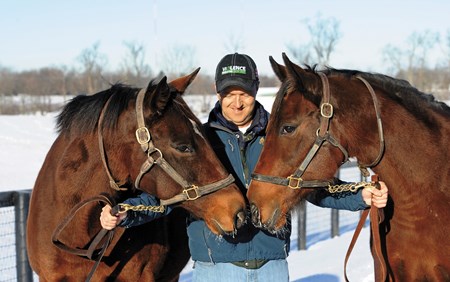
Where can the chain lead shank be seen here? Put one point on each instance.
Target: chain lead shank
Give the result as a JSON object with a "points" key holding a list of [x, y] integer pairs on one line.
{"points": [[352, 187]]}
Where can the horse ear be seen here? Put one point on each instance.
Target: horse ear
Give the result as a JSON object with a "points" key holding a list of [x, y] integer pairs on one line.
{"points": [[304, 81], [292, 70], [280, 71], [180, 84], [158, 98], [301, 79]]}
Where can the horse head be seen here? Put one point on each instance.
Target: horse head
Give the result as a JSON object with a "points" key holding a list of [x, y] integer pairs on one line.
{"points": [[111, 145], [171, 158], [321, 118], [305, 143]]}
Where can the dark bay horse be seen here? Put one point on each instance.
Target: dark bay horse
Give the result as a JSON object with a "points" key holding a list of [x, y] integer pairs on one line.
{"points": [[319, 118], [96, 153]]}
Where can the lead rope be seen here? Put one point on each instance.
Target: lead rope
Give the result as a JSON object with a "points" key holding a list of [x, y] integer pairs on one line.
{"points": [[90, 252], [376, 218], [105, 245]]}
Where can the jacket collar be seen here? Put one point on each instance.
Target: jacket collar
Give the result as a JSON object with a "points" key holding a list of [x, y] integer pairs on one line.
{"points": [[258, 126]]}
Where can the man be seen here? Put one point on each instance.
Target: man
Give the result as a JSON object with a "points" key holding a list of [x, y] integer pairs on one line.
{"points": [[236, 130]]}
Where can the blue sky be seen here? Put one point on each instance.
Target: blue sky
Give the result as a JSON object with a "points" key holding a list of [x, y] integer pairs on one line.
{"points": [[43, 33]]}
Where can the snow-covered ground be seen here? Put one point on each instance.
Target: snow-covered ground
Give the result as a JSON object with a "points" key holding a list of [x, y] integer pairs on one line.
{"points": [[25, 140]]}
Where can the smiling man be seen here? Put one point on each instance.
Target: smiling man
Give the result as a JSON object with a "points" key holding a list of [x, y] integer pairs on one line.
{"points": [[237, 83]]}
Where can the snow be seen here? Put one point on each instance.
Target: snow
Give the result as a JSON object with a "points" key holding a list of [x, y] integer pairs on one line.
{"points": [[26, 139]]}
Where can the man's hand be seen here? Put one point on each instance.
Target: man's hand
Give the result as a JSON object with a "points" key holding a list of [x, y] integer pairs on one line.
{"points": [[109, 221], [376, 197]]}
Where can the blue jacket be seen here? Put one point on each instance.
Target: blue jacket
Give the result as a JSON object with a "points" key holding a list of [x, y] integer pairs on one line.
{"points": [[239, 153]]}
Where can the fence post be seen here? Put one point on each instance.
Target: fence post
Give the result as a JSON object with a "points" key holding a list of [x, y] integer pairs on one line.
{"points": [[335, 214], [301, 225], [334, 223], [21, 201]]}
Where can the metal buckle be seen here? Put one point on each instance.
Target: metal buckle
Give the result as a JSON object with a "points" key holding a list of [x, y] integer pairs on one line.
{"points": [[193, 189], [326, 110], [142, 135], [153, 150], [292, 178]]}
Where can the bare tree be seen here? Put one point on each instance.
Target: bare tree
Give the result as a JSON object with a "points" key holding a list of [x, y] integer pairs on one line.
{"points": [[134, 65], [234, 43], [446, 69], [7, 81], [179, 60], [64, 70], [447, 49], [413, 61], [324, 36], [393, 55], [92, 61]]}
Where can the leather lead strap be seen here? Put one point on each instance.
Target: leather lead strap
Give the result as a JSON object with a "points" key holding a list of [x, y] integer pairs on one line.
{"points": [[90, 251], [358, 229], [376, 218]]}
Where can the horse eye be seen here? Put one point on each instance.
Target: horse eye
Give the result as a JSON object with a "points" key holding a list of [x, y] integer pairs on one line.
{"points": [[185, 149], [287, 129]]}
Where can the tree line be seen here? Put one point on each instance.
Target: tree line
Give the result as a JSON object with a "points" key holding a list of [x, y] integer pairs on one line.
{"points": [[411, 64]]}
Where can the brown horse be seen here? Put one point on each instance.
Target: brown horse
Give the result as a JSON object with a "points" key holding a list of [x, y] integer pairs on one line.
{"points": [[319, 118], [96, 147]]}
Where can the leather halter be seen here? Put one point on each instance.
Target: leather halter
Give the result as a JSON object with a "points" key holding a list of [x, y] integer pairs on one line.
{"points": [[363, 168], [295, 181], [190, 191]]}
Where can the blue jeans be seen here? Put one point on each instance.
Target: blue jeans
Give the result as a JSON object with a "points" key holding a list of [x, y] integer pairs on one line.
{"points": [[273, 270]]}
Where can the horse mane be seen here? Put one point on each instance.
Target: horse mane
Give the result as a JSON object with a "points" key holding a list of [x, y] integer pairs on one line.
{"points": [[81, 114], [399, 90], [403, 93]]}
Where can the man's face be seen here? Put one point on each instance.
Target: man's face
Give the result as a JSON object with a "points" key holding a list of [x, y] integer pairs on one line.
{"points": [[237, 105]]}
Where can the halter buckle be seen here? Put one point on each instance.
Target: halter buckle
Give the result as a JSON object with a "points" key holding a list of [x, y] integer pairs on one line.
{"points": [[191, 193], [294, 180], [143, 135], [326, 110]]}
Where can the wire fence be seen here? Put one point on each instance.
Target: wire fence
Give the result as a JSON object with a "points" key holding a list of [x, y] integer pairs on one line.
{"points": [[14, 264]]}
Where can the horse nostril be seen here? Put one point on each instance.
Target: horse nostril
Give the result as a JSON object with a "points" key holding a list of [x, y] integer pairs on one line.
{"points": [[255, 215], [240, 219]]}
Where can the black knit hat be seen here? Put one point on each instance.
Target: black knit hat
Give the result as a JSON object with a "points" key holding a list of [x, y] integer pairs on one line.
{"points": [[237, 70]]}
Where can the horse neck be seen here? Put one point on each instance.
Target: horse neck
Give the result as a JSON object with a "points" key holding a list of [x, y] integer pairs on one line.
{"points": [[415, 157], [82, 151]]}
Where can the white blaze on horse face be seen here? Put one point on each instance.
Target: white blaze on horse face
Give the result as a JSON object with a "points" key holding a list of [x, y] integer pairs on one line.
{"points": [[196, 129]]}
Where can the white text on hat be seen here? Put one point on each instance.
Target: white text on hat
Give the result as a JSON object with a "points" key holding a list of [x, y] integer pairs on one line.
{"points": [[234, 69]]}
